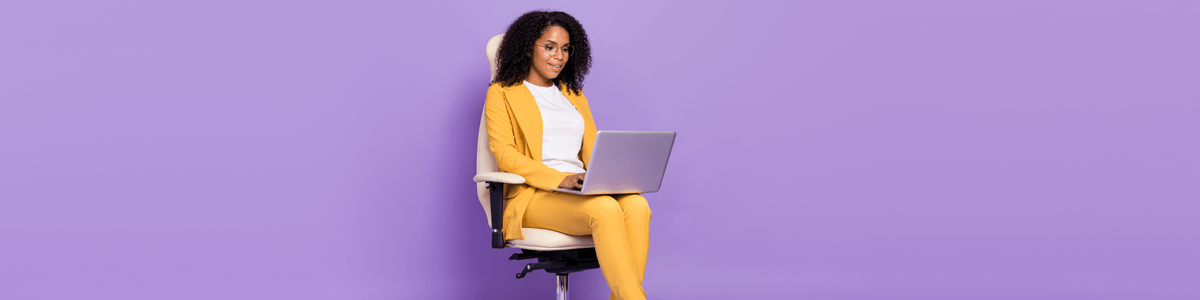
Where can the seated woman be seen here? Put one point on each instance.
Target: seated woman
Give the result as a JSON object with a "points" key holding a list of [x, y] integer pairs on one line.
{"points": [[539, 126]]}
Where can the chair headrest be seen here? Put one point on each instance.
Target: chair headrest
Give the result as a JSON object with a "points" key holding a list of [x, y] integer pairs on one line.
{"points": [[493, 45]]}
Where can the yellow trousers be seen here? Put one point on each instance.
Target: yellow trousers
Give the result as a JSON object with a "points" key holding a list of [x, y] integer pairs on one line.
{"points": [[619, 225]]}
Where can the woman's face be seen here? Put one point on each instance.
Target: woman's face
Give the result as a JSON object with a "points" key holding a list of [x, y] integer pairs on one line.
{"points": [[549, 55]]}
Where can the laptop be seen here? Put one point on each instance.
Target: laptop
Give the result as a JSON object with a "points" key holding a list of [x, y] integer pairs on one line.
{"points": [[625, 162]]}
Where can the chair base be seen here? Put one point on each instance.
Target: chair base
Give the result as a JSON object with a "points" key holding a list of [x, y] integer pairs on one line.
{"points": [[562, 263], [558, 262]]}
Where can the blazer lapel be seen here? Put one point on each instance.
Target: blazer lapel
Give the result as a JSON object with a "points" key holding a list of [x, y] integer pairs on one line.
{"points": [[529, 118]]}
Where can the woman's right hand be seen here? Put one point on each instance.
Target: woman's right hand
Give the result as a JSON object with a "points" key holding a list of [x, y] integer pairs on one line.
{"points": [[573, 181]]}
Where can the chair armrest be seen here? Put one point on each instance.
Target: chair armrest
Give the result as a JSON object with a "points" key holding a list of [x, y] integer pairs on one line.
{"points": [[495, 185], [500, 177]]}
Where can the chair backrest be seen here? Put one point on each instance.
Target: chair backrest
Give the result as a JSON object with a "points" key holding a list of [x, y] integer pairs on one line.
{"points": [[485, 161]]}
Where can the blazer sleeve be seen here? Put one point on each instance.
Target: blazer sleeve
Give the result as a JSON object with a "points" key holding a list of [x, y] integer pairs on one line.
{"points": [[502, 141]]}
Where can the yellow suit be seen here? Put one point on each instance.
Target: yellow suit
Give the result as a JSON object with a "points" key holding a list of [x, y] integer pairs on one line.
{"points": [[619, 224], [514, 128]]}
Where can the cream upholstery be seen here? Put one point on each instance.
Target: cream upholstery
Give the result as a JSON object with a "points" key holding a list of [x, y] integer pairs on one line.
{"points": [[493, 45], [487, 171], [501, 177], [549, 240]]}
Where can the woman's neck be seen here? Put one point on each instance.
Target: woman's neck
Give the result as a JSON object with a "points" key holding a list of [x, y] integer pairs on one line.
{"points": [[538, 80]]}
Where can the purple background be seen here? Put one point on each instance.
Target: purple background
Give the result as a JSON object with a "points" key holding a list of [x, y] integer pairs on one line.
{"points": [[848, 150]]}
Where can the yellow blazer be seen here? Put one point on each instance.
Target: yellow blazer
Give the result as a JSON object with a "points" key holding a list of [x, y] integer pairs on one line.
{"points": [[514, 128]]}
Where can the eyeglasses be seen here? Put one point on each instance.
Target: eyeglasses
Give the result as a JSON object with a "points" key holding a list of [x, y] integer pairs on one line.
{"points": [[553, 50]]}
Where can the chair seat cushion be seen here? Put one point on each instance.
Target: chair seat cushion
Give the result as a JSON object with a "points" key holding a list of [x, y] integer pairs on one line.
{"points": [[550, 240]]}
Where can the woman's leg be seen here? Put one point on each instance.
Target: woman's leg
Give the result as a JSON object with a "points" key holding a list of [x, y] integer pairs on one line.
{"points": [[637, 224], [636, 213], [601, 217]]}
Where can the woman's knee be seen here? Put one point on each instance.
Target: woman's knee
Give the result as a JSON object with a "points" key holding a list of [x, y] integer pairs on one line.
{"points": [[602, 206], [635, 204]]}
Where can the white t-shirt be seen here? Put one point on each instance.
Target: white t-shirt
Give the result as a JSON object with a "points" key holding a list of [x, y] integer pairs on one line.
{"points": [[562, 129]]}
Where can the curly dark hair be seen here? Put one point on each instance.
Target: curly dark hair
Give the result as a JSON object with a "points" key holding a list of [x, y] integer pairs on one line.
{"points": [[514, 56]]}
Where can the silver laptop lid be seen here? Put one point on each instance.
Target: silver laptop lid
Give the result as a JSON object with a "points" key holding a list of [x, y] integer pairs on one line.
{"points": [[625, 162]]}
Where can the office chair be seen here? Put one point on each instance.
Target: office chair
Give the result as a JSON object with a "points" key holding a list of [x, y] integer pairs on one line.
{"points": [[555, 252]]}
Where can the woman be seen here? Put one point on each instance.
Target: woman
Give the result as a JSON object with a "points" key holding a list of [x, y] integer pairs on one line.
{"points": [[539, 126]]}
